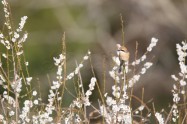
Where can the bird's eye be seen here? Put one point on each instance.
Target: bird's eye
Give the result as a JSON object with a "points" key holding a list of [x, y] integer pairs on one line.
{"points": [[124, 50]]}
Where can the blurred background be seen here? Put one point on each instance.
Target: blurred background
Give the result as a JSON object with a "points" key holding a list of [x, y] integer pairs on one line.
{"points": [[95, 25]]}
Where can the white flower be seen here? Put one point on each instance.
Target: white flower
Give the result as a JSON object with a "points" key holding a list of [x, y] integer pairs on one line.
{"points": [[174, 119], [141, 107], [114, 76], [77, 103], [1, 118], [148, 65], [152, 44], [1, 35], [136, 77], [133, 63], [16, 35], [34, 93], [116, 91], [19, 53], [89, 52], [11, 113], [182, 55], [85, 57], [115, 108], [136, 112], [133, 80], [59, 60], [105, 114], [59, 98], [13, 39], [176, 98], [88, 93], [80, 65], [174, 77], [10, 99], [28, 79], [175, 113], [4, 2], [22, 23], [137, 62], [116, 60], [92, 83], [86, 101], [143, 71], [182, 83], [17, 85], [154, 40], [35, 102], [78, 68], [110, 101], [56, 85], [26, 63], [70, 76], [184, 47], [143, 57], [174, 87], [23, 39], [4, 55], [159, 118], [183, 92], [149, 49], [105, 95], [59, 71]]}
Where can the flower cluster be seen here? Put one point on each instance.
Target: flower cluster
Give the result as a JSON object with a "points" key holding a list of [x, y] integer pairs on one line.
{"points": [[114, 75], [21, 24], [77, 69], [59, 62], [25, 111], [116, 112], [181, 51], [17, 84], [136, 77], [153, 44], [11, 101], [89, 91], [55, 97], [8, 103], [179, 87], [45, 116], [15, 36], [7, 14], [78, 103], [149, 49]]}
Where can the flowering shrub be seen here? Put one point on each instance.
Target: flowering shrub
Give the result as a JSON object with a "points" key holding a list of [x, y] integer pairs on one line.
{"points": [[18, 106]]}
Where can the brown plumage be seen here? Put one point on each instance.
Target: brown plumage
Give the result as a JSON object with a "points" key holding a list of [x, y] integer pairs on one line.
{"points": [[123, 54]]}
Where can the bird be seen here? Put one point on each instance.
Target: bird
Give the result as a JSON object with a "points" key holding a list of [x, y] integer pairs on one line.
{"points": [[123, 55]]}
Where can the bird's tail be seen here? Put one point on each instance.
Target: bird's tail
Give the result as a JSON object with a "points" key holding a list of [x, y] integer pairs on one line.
{"points": [[120, 66], [119, 70]]}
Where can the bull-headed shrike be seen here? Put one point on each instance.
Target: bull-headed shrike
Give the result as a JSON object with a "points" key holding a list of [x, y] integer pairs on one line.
{"points": [[123, 55]]}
